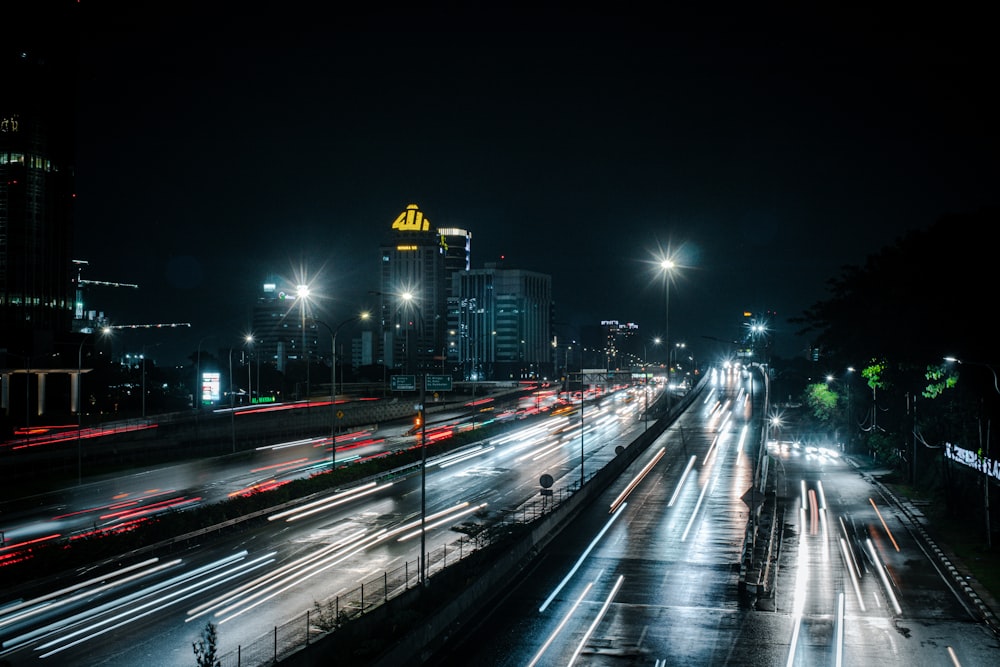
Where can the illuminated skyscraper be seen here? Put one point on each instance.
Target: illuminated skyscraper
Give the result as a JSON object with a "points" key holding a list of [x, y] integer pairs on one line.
{"points": [[505, 323], [413, 295], [38, 60]]}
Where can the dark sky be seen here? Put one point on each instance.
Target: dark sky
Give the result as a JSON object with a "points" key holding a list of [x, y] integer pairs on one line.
{"points": [[765, 150]]}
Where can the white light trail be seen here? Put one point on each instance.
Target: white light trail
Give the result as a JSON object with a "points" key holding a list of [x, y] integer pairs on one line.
{"points": [[447, 517], [280, 586], [701, 497], [292, 443], [839, 660], [849, 558], [885, 579], [597, 620], [681, 482], [303, 511], [582, 557], [157, 597], [562, 624], [465, 456], [801, 586], [37, 603]]}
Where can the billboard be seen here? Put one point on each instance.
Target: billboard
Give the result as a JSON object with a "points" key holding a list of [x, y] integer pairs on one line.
{"points": [[211, 385]]}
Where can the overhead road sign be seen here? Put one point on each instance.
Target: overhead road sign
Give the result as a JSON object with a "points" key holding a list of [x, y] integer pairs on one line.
{"points": [[437, 382], [403, 383]]}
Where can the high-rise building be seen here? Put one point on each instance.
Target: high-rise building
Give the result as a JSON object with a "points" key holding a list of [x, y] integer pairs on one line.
{"points": [[622, 348], [413, 295], [38, 56], [278, 332], [504, 323]]}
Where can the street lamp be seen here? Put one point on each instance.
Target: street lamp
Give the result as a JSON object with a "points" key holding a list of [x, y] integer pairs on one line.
{"points": [[408, 297], [142, 362], [232, 407], [250, 341], [333, 380], [667, 265], [996, 384], [77, 403], [302, 293], [645, 376]]}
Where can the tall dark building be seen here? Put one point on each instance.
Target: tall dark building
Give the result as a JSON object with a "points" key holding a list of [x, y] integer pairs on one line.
{"points": [[38, 60], [413, 294]]}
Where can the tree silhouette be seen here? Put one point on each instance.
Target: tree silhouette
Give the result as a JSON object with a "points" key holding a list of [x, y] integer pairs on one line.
{"points": [[206, 648]]}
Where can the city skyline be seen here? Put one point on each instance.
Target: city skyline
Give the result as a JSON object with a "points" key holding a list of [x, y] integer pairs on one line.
{"points": [[764, 151]]}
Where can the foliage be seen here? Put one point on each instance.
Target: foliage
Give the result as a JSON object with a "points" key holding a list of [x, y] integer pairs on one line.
{"points": [[941, 379], [874, 374], [885, 447], [822, 401], [206, 649], [326, 617]]}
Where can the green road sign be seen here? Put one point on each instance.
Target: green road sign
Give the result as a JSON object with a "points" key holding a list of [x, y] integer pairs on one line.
{"points": [[403, 383], [437, 382]]}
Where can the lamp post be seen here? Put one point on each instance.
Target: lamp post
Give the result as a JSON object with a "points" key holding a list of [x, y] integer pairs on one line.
{"points": [[423, 453], [583, 396], [333, 381], [78, 404], [250, 341], [232, 406], [142, 362], [645, 386], [302, 294], [667, 265]]}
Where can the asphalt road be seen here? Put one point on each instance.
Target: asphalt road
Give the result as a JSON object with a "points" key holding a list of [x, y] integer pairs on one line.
{"points": [[150, 611], [649, 574]]}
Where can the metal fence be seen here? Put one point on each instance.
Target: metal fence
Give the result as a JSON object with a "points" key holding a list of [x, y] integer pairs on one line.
{"points": [[327, 615]]}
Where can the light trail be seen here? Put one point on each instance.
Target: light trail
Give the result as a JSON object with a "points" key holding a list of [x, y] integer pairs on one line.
{"points": [[848, 557], [887, 531], [286, 583], [885, 579], [447, 516], [302, 511], [801, 584], [635, 480], [562, 624], [7, 620], [597, 620], [583, 556], [839, 659], [464, 456], [680, 484]]}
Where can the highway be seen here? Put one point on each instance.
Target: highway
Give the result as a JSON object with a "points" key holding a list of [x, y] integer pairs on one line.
{"points": [[151, 609], [649, 574]]}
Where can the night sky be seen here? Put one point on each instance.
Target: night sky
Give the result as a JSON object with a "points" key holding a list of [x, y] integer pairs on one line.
{"points": [[765, 151]]}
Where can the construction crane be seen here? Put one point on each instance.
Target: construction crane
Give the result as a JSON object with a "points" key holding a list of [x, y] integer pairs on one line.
{"points": [[102, 324], [166, 325], [81, 322]]}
